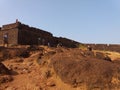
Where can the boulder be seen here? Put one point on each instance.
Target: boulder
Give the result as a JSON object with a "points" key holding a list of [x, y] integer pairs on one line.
{"points": [[3, 69]]}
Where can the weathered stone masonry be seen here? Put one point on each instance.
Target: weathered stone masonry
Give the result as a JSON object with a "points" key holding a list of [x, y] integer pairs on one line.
{"points": [[21, 34], [12, 31]]}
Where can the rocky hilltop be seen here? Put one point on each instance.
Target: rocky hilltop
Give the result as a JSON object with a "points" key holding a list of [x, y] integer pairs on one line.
{"points": [[58, 68]]}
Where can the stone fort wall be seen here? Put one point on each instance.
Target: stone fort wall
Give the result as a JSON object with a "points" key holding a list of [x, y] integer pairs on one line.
{"points": [[21, 34], [12, 31], [106, 47]]}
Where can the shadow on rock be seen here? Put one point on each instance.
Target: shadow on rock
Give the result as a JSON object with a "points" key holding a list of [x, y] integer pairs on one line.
{"points": [[5, 71]]}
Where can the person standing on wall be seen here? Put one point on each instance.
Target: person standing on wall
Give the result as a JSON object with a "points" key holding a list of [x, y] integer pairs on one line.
{"points": [[5, 39]]}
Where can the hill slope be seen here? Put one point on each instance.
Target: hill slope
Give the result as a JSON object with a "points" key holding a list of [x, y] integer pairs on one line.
{"points": [[45, 68]]}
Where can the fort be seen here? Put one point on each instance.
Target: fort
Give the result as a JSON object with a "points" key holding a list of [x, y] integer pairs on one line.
{"points": [[106, 47], [21, 34]]}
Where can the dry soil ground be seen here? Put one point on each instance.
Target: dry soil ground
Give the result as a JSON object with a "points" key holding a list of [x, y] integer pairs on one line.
{"points": [[47, 68]]}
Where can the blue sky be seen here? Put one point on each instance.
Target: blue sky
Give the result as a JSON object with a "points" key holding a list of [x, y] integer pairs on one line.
{"points": [[86, 21]]}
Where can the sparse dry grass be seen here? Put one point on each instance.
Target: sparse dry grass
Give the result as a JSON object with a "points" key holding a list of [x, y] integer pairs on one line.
{"points": [[112, 55], [29, 86]]}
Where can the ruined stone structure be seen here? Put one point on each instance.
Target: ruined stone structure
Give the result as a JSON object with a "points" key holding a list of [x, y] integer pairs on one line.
{"points": [[21, 34], [106, 47]]}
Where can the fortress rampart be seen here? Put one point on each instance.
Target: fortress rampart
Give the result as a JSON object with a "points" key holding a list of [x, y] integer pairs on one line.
{"points": [[106, 47], [21, 34]]}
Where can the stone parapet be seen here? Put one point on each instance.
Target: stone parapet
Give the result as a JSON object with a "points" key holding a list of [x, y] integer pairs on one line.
{"points": [[10, 26]]}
